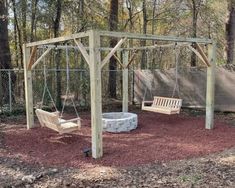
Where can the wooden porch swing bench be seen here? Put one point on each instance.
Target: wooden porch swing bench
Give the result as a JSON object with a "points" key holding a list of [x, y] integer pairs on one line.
{"points": [[54, 122], [163, 105]]}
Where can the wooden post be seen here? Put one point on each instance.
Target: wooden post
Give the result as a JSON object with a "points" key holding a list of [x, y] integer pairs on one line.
{"points": [[28, 89], [125, 82], [210, 87], [96, 100]]}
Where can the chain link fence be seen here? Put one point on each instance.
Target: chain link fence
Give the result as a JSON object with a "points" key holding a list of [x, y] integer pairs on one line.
{"points": [[11, 91], [12, 96]]}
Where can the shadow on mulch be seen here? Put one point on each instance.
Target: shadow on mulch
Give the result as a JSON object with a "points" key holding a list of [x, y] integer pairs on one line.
{"points": [[158, 138]]}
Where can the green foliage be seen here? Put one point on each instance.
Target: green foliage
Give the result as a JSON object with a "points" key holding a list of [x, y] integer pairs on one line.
{"points": [[17, 111], [164, 17]]}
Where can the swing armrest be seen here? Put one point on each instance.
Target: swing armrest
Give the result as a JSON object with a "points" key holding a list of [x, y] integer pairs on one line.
{"points": [[147, 102], [70, 120]]}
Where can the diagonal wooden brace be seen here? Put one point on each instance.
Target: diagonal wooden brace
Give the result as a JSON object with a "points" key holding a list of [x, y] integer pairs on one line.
{"points": [[129, 62], [205, 61], [119, 61], [83, 51], [131, 59], [32, 56], [40, 59], [112, 52], [199, 49]]}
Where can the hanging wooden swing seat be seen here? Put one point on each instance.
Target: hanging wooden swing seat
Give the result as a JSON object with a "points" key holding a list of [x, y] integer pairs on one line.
{"points": [[163, 105], [54, 122]]}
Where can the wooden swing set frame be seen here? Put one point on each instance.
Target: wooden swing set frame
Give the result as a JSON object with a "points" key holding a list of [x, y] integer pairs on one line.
{"points": [[92, 55]]}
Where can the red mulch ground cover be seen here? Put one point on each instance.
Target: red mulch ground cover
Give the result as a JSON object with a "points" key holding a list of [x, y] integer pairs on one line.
{"points": [[157, 138]]}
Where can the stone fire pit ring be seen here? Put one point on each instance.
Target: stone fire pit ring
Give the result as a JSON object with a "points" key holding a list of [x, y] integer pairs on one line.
{"points": [[116, 122]]}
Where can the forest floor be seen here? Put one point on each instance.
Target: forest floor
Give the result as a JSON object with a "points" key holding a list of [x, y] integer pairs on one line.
{"points": [[189, 157]]}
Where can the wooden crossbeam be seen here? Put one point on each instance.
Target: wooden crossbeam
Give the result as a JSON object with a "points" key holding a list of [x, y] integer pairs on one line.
{"points": [[119, 35], [40, 58], [59, 39], [83, 51], [112, 52], [32, 56], [199, 56], [199, 49], [154, 37]]}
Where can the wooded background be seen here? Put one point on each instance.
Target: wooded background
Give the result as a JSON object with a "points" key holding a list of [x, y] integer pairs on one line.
{"points": [[23, 21]]}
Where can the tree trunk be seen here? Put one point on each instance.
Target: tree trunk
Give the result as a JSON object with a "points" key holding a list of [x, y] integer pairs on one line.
{"points": [[15, 35], [113, 26], [24, 20], [143, 42], [82, 17], [5, 56], [18, 43], [230, 32], [56, 27], [33, 19], [153, 17], [153, 32], [131, 25], [56, 21], [130, 13], [194, 30]]}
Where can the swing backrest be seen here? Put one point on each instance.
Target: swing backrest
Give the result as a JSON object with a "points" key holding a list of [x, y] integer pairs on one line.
{"points": [[48, 119], [166, 102]]}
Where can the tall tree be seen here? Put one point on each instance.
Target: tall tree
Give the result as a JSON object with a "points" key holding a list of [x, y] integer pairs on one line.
{"points": [[56, 29], [5, 56], [34, 5], [143, 42], [24, 19], [129, 7], [56, 20], [153, 16], [230, 31], [17, 36], [195, 8], [113, 26]]}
